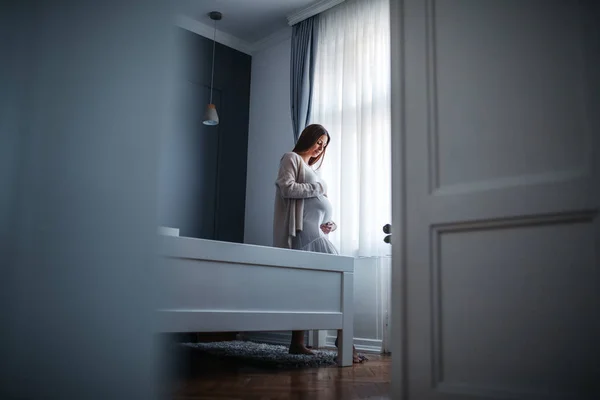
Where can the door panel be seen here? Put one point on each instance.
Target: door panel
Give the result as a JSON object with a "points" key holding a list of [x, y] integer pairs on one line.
{"points": [[495, 286]]}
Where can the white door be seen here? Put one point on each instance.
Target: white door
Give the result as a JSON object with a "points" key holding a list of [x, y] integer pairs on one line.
{"points": [[496, 177]]}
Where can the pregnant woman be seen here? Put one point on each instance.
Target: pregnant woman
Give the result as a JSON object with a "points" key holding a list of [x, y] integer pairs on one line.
{"points": [[302, 211]]}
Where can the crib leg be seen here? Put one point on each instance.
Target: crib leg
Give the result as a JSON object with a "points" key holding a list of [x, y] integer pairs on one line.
{"points": [[346, 334], [345, 352]]}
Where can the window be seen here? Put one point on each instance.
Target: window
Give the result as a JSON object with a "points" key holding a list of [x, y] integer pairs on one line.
{"points": [[351, 99]]}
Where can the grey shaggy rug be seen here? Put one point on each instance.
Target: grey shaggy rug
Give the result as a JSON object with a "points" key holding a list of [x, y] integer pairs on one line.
{"points": [[266, 355]]}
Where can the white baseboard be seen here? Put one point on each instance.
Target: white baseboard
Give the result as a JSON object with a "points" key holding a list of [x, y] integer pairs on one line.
{"points": [[283, 338], [361, 344]]}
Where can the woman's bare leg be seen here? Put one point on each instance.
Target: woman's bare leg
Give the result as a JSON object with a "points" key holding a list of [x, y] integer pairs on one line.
{"points": [[297, 345]]}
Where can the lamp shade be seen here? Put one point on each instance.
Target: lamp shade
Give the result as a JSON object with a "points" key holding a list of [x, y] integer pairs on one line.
{"points": [[211, 117]]}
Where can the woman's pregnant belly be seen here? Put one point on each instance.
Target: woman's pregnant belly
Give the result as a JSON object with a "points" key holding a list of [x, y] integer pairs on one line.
{"points": [[317, 211]]}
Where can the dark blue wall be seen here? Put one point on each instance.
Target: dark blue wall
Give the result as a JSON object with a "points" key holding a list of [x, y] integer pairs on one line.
{"points": [[203, 169]]}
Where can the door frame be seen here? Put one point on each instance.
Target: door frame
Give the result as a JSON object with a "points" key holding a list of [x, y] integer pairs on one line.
{"points": [[397, 306]]}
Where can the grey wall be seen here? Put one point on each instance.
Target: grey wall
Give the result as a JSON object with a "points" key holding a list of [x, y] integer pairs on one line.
{"points": [[270, 136], [203, 169]]}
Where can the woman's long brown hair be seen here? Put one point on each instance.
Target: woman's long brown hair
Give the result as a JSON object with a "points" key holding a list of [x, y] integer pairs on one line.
{"points": [[309, 136]]}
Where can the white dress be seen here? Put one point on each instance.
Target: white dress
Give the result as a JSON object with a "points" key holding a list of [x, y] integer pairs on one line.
{"points": [[317, 211]]}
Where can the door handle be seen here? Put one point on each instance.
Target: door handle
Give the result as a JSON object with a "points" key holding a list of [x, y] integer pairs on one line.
{"points": [[387, 229]]}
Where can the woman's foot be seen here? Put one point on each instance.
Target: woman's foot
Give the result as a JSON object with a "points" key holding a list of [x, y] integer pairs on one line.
{"points": [[300, 349]]}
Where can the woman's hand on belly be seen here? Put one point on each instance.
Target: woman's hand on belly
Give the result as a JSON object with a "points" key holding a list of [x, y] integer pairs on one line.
{"points": [[327, 227]]}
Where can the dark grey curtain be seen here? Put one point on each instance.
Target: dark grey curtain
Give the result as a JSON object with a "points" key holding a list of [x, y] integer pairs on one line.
{"points": [[304, 50]]}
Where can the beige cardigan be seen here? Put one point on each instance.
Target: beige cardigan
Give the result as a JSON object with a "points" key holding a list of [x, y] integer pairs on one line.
{"points": [[289, 199]]}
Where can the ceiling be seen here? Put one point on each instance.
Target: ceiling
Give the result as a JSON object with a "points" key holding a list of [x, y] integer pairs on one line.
{"points": [[248, 20]]}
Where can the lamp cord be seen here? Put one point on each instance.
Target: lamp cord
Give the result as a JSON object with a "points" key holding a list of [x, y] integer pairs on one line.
{"points": [[213, 62]]}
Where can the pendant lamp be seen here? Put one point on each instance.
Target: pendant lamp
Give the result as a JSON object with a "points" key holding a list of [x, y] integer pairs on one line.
{"points": [[211, 117]]}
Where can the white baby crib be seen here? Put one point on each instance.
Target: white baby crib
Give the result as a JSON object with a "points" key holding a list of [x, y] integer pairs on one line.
{"points": [[211, 286]]}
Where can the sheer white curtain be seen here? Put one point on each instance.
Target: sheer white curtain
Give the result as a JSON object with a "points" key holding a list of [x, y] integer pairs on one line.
{"points": [[352, 100]]}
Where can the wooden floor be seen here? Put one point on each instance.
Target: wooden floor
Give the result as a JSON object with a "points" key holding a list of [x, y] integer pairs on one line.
{"points": [[206, 377]]}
